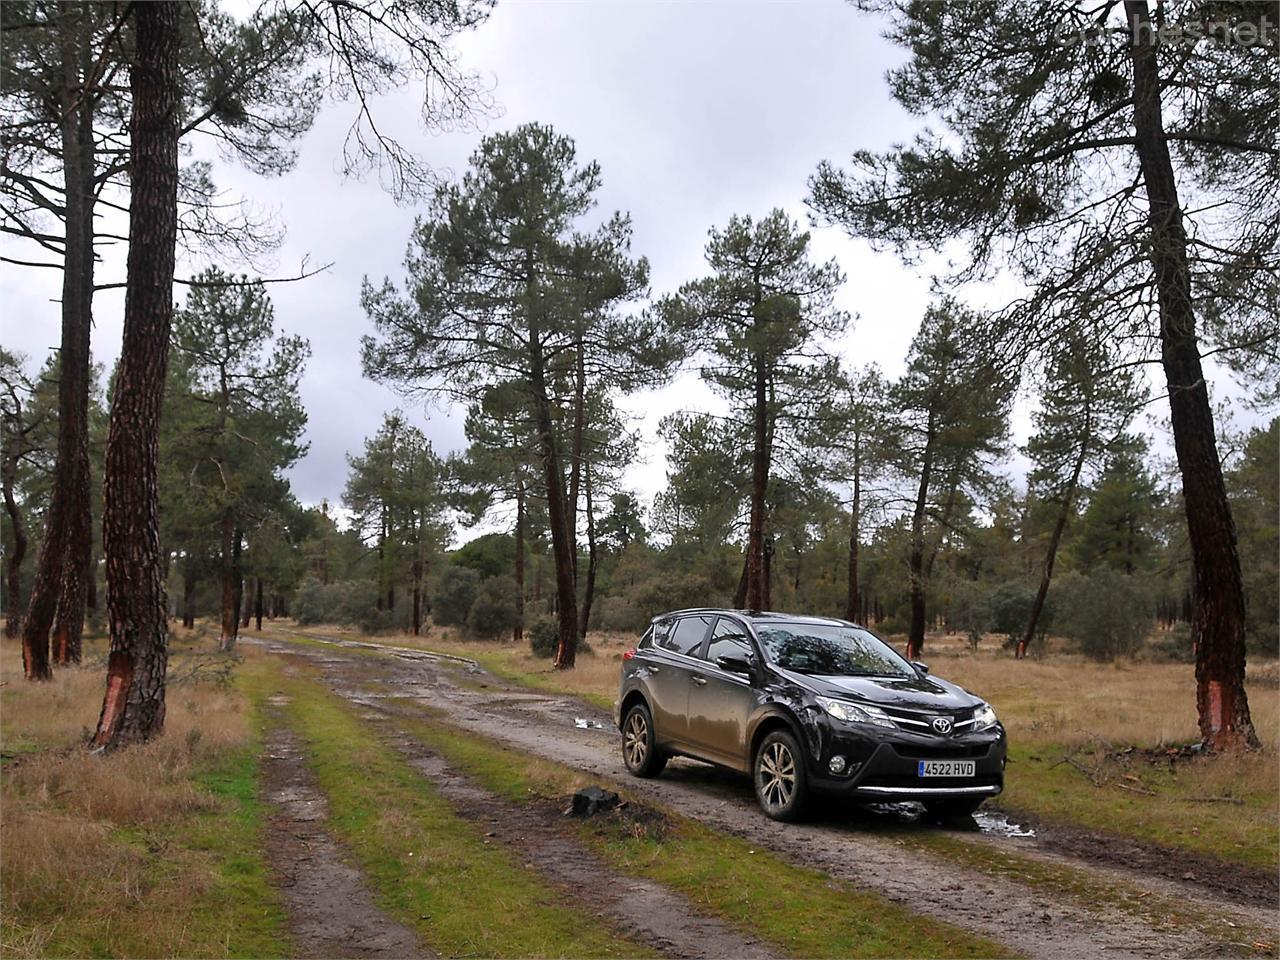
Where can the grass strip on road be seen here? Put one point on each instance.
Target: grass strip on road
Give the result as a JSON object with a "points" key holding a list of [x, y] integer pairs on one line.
{"points": [[428, 866], [804, 912]]}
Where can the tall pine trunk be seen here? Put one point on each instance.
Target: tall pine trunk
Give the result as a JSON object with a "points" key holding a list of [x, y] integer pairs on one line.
{"points": [[13, 562], [58, 590], [1218, 607], [852, 601], [915, 635], [518, 630], [592, 557], [257, 602], [133, 706], [756, 587], [566, 590], [188, 592], [1068, 497], [230, 574]]}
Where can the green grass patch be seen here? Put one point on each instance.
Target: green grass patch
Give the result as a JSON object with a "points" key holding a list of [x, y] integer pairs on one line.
{"points": [[429, 867], [1173, 813], [802, 911]]}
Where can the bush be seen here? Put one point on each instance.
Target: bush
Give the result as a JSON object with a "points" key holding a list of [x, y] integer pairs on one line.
{"points": [[493, 612], [1010, 608], [350, 603], [1172, 645], [544, 636], [454, 594], [619, 613], [1109, 615]]}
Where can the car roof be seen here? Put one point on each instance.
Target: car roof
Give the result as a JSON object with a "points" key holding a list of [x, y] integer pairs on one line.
{"points": [[759, 616]]}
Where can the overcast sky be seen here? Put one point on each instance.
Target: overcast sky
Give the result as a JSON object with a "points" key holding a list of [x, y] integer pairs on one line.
{"points": [[695, 111]]}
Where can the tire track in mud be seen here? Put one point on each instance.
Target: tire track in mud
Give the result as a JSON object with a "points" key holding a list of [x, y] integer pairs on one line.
{"points": [[329, 903], [1027, 918], [638, 908]]}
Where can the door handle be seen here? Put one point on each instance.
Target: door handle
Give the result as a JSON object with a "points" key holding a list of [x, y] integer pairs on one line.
{"points": [[653, 669], [700, 681]]}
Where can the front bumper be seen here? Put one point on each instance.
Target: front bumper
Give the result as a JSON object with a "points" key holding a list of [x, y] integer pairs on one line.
{"points": [[885, 765]]}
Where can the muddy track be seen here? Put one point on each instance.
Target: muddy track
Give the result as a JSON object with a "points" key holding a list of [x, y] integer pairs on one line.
{"points": [[537, 836], [852, 846], [330, 907]]}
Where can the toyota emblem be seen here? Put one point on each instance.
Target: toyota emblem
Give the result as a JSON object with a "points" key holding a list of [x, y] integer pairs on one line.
{"points": [[941, 725]]}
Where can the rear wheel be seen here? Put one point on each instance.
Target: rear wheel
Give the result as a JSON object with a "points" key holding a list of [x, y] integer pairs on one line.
{"points": [[639, 747], [953, 808], [781, 785]]}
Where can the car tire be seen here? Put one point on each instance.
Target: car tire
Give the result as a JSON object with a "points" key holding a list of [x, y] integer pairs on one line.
{"points": [[639, 746], [778, 772], [955, 809]]}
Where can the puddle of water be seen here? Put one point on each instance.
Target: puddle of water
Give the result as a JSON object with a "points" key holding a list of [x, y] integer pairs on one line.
{"points": [[997, 824], [990, 822]]}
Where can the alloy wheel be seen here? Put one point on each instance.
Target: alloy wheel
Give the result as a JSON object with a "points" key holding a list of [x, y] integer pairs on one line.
{"points": [[776, 774], [636, 740]]}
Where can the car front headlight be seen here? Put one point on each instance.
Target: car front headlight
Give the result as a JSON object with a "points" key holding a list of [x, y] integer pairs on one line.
{"points": [[984, 718], [855, 713]]}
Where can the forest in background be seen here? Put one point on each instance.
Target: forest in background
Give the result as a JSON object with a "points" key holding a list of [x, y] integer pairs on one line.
{"points": [[822, 488]]}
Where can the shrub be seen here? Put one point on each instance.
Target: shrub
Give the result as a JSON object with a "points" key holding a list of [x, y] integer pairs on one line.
{"points": [[1010, 606], [619, 613], [454, 594], [493, 612], [544, 636], [1109, 615], [1172, 645]]}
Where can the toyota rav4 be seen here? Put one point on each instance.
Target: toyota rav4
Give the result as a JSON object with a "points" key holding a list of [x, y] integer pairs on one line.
{"points": [[805, 705]]}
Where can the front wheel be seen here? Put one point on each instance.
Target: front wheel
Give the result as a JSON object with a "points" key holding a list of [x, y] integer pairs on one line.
{"points": [[639, 747], [781, 784], [953, 808]]}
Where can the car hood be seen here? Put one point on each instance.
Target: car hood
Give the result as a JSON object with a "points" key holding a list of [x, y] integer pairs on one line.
{"points": [[910, 693]]}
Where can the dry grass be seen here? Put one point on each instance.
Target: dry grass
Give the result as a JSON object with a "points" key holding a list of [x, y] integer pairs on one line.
{"points": [[1065, 698], [88, 843]]}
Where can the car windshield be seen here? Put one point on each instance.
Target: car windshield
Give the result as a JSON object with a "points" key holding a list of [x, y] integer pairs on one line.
{"points": [[830, 650]]}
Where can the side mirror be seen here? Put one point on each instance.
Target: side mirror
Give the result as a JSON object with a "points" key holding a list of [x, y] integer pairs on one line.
{"points": [[921, 668], [736, 663]]}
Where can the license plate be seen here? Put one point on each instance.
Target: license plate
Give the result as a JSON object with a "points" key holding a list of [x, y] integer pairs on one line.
{"points": [[947, 768]]}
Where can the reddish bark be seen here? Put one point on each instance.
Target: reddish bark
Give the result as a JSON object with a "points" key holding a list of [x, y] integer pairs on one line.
{"points": [[133, 706], [1218, 607]]}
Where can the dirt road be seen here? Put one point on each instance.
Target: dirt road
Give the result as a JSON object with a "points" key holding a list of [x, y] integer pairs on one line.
{"points": [[1042, 902]]}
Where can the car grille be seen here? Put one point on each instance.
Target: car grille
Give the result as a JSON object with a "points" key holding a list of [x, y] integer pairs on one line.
{"points": [[913, 752], [918, 721]]}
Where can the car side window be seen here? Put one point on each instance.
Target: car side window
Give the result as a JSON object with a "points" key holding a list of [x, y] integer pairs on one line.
{"points": [[687, 636], [728, 637]]}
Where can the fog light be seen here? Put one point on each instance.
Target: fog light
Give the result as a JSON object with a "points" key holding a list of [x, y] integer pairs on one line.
{"points": [[836, 764]]}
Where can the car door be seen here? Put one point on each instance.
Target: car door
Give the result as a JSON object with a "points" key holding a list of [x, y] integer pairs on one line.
{"points": [[671, 660], [719, 701]]}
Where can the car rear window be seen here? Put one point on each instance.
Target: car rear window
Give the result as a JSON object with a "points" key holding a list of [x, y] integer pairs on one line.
{"points": [[687, 636]]}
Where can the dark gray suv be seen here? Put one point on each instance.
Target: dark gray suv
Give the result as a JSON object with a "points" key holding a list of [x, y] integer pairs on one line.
{"points": [[803, 705]]}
